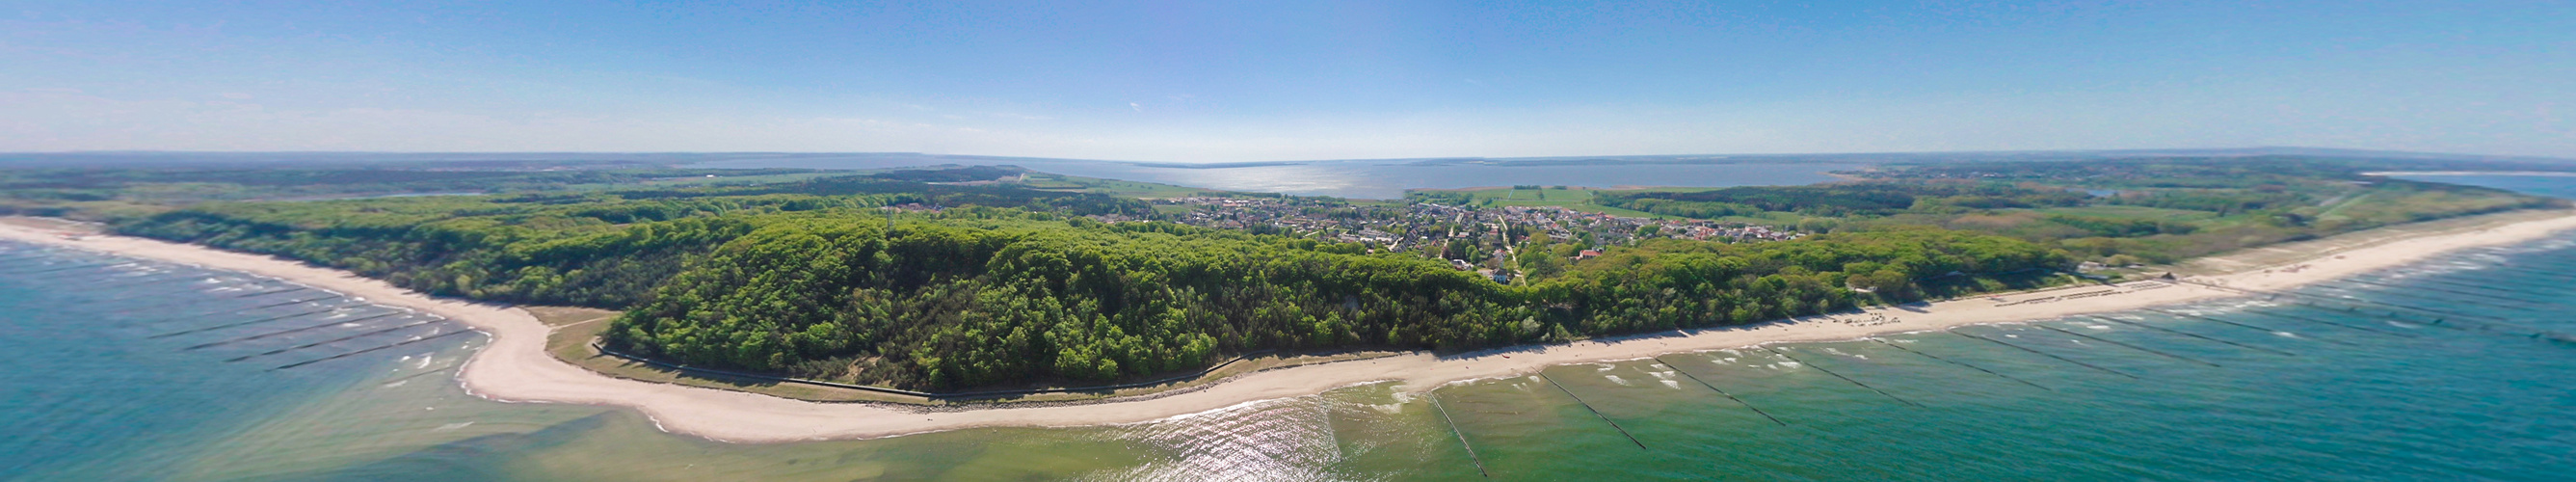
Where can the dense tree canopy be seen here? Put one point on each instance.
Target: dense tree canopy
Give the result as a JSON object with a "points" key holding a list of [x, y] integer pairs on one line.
{"points": [[939, 279], [949, 302], [1006, 285]]}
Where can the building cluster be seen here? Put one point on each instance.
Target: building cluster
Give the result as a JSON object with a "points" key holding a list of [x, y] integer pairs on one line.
{"points": [[1489, 234], [1738, 233]]}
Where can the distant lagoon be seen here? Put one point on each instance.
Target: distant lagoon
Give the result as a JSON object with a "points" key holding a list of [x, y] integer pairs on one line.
{"points": [[1376, 179]]}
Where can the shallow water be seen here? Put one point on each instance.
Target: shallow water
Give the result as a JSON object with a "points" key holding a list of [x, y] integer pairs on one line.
{"points": [[2345, 380]]}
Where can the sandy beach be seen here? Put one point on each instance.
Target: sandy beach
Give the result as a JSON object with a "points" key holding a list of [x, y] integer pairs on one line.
{"points": [[516, 368]]}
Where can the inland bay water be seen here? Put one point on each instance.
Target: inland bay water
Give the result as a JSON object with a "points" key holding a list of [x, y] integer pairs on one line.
{"points": [[1372, 179], [127, 370]]}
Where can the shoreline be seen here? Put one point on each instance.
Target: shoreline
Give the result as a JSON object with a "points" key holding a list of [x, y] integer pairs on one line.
{"points": [[2474, 173], [515, 367]]}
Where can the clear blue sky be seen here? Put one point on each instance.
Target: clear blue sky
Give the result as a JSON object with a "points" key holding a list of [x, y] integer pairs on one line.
{"points": [[1230, 81]]}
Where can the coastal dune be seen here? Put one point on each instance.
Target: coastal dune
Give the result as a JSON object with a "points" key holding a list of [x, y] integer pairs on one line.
{"points": [[516, 368]]}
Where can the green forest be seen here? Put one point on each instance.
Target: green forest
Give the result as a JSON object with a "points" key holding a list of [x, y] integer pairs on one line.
{"points": [[820, 278], [933, 279]]}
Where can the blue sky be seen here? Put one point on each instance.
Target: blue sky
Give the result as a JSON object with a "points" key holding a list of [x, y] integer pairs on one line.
{"points": [[1234, 81]]}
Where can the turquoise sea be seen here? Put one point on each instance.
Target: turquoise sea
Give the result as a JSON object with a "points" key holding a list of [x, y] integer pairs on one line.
{"points": [[128, 370]]}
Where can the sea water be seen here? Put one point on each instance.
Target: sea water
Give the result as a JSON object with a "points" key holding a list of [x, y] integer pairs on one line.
{"points": [[2445, 370]]}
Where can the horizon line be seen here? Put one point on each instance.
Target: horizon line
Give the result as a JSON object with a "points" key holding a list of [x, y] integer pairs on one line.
{"points": [[2243, 151]]}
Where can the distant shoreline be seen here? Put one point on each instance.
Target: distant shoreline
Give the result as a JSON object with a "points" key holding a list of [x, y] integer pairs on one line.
{"points": [[516, 368], [2473, 173], [1546, 187]]}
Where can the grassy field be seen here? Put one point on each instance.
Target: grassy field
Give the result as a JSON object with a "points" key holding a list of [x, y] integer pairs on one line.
{"points": [[2133, 212]]}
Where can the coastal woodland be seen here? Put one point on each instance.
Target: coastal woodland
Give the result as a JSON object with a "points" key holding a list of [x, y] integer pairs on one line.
{"points": [[946, 279]]}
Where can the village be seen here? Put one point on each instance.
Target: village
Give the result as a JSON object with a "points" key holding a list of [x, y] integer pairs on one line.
{"points": [[1482, 239]]}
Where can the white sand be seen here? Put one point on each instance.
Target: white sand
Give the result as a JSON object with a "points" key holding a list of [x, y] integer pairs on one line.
{"points": [[516, 368]]}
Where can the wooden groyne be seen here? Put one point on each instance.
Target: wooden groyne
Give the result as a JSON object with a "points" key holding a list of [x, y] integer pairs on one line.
{"points": [[2129, 346], [2456, 284], [294, 330], [2189, 334], [289, 289], [1963, 364], [2246, 326], [2360, 328], [147, 279], [1838, 375], [370, 350], [2440, 318], [1659, 360], [337, 340], [2355, 303], [1462, 435], [246, 323], [2526, 304], [62, 269], [332, 296], [1578, 400], [2045, 354]]}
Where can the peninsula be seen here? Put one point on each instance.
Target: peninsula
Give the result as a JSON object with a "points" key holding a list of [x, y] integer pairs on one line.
{"points": [[887, 278]]}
